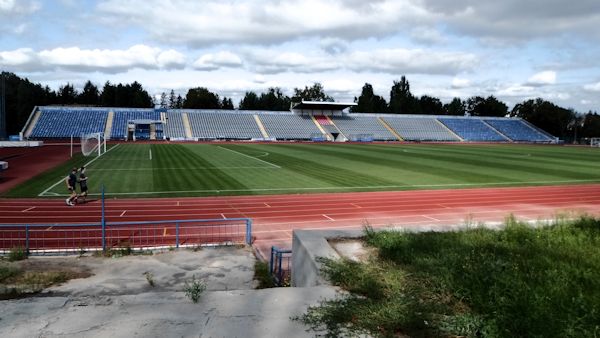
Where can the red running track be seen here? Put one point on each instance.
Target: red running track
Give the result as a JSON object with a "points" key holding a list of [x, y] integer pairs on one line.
{"points": [[275, 216]]}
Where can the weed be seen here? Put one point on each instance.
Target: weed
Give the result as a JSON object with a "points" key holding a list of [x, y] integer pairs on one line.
{"points": [[17, 254], [194, 288], [262, 275], [149, 277]]}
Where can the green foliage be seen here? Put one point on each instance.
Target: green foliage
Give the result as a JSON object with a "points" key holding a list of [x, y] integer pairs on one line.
{"points": [[368, 102], [17, 254], [7, 271], [489, 106], [520, 281], [194, 288], [316, 92], [556, 120], [273, 99], [149, 278], [262, 275]]}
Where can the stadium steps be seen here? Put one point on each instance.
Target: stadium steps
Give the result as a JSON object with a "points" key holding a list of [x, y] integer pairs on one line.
{"points": [[498, 131], [449, 130], [550, 137], [331, 123], [261, 127], [186, 125], [390, 129], [34, 120], [109, 123], [326, 134]]}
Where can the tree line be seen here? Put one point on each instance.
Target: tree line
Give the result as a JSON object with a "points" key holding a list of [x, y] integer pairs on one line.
{"points": [[22, 95]]}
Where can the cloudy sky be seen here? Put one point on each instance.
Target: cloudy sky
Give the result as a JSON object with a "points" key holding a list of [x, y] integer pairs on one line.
{"points": [[513, 49]]}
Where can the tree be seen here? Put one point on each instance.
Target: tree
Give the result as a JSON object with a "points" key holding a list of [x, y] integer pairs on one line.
{"points": [[201, 98], [401, 99], [172, 99], [546, 115], [67, 94], [274, 100], [179, 102], [431, 105], [90, 95], [590, 126], [490, 106], [249, 102], [227, 103], [163, 100], [455, 107], [368, 102], [314, 93], [107, 98]]}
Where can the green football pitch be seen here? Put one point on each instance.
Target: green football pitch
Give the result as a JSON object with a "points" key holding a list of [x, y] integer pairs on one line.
{"points": [[167, 170]]}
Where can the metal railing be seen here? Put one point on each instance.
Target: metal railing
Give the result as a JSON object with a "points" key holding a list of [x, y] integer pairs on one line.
{"points": [[280, 265], [63, 238]]}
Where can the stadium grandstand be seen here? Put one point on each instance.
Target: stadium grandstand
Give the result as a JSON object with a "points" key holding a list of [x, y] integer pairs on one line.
{"points": [[306, 121]]}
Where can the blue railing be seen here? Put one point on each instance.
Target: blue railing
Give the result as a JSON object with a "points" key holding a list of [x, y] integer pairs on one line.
{"points": [[279, 265], [60, 238]]}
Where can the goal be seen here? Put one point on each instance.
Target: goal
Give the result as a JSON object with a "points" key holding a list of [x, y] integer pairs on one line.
{"points": [[595, 141], [93, 144]]}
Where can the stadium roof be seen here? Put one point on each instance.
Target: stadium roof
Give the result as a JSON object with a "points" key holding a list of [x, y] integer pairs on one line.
{"points": [[317, 105]]}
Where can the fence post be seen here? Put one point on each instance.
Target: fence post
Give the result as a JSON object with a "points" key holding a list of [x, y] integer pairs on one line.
{"points": [[248, 231], [27, 239], [279, 271], [177, 235], [273, 248], [103, 223]]}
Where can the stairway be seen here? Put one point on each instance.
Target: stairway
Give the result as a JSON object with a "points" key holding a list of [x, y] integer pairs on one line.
{"points": [[261, 127], [109, 124], [187, 126], [34, 120]]}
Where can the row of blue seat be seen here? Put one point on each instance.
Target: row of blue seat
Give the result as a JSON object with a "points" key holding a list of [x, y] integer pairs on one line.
{"points": [[64, 122]]}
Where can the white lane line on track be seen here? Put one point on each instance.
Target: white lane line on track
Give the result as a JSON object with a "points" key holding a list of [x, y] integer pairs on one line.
{"points": [[222, 215], [28, 209], [333, 189], [123, 213], [356, 206], [431, 218], [254, 158], [329, 218], [268, 206], [62, 180]]}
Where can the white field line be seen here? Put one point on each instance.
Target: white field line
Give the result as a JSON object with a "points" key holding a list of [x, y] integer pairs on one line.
{"points": [[123, 213], [268, 206], [431, 218], [62, 180], [329, 218], [150, 154], [188, 168], [342, 188], [254, 158], [223, 216], [28, 209], [356, 206]]}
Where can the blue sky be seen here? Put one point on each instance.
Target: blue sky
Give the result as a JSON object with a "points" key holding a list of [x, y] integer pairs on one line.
{"points": [[512, 49]]}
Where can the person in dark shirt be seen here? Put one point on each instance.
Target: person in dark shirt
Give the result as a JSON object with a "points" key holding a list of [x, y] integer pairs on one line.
{"points": [[83, 185], [71, 180]]}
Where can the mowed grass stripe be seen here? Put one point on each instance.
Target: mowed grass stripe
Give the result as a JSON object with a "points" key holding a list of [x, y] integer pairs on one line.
{"points": [[180, 156], [332, 173]]}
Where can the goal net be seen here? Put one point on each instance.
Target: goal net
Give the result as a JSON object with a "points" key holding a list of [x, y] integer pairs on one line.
{"points": [[595, 141], [93, 144]]}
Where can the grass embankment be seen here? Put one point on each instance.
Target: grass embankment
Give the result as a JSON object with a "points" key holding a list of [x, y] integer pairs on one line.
{"points": [[517, 282]]}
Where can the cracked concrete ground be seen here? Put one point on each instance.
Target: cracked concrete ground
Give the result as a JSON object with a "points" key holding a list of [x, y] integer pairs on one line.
{"points": [[118, 300]]}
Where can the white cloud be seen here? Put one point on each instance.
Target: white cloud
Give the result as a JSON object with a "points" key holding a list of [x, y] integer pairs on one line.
{"points": [[218, 60], [200, 23], [547, 77], [405, 61], [102, 60], [460, 83], [21, 7], [592, 87]]}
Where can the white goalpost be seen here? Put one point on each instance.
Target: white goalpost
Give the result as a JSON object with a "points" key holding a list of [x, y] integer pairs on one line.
{"points": [[595, 141], [93, 143]]}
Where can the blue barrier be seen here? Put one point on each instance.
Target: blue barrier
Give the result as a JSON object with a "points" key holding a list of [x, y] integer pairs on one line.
{"points": [[279, 265], [56, 238]]}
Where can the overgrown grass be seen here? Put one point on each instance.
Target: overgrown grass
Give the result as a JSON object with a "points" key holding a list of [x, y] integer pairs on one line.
{"points": [[17, 282], [520, 281]]}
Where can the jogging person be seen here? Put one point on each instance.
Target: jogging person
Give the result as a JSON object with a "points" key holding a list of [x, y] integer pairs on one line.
{"points": [[83, 185], [71, 180]]}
